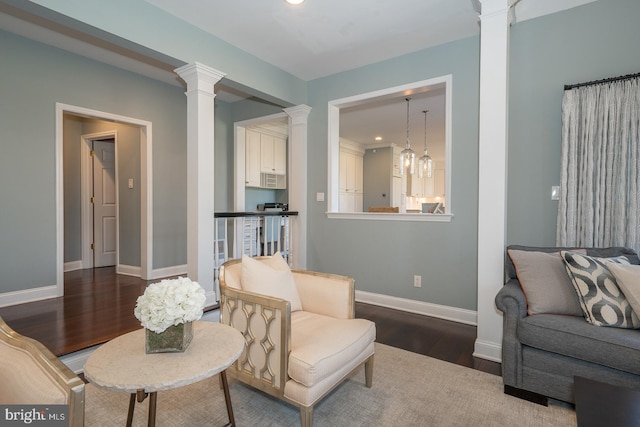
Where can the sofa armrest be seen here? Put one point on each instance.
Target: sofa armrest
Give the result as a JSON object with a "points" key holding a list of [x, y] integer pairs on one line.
{"points": [[512, 302], [265, 323], [327, 294]]}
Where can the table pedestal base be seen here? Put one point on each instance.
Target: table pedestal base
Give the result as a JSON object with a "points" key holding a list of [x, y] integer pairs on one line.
{"points": [[140, 396]]}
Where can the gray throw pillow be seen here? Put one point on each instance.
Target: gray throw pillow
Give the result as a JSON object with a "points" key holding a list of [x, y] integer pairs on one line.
{"points": [[602, 301], [545, 282]]}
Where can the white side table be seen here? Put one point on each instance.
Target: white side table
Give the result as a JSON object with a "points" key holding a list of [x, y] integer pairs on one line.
{"points": [[123, 365]]}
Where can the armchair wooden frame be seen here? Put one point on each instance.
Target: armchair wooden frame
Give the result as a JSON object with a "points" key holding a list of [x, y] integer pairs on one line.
{"points": [[51, 366]]}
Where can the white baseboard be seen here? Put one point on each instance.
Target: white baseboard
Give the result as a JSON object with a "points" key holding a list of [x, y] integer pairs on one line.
{"points": [[72, 266], [176, 270], [76, 360], [488, 350], [28, 295], [128, 270], [460, 315]]}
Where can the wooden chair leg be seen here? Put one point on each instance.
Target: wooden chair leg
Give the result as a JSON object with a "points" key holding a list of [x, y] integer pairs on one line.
{"points": [[368, 372], [306, 416]]}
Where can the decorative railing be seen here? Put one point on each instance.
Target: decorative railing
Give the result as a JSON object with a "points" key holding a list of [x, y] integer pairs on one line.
{"points": [[252, 234]]}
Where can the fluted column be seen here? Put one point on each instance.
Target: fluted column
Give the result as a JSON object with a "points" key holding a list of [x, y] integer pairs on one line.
{"points": [[200, 81]]}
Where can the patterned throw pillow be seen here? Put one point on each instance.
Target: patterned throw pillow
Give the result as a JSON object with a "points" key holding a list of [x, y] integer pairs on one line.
{"points": [[602, 301]]}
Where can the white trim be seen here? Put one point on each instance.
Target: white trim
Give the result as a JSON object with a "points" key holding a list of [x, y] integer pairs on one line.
{"points": [[239, 153], [146, 186], [27, 295], [460, 315], [73, 265], [333, 131], [391, 216], [128, 270], [76, 360], [176, 270], [488, 350]]}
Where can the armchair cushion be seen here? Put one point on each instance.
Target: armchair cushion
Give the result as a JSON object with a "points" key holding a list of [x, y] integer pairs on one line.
{"points": [[321, 345], [271, 277]]}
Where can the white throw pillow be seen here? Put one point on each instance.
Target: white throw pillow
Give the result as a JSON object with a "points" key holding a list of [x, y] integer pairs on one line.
{"points": [[270, 276], [628, 277]]}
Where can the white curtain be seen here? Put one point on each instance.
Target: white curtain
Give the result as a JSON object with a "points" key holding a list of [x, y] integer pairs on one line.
{"points": [[600, 176]]}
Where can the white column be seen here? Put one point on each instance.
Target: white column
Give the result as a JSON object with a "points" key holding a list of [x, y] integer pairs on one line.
{"points": [[200, 80], [298, 181], [494, 80]]}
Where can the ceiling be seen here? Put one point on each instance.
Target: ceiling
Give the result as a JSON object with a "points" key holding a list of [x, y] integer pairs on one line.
{"points": [[323, 37], [312, 40]]}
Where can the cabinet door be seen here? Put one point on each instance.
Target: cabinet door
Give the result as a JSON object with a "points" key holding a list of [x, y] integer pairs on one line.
{"points": [[358, 199], [346, 202], [438, 180], [267, 164], [429, 186], [346, 162], [358, 163], [280, 155], [416, 186], [252, 159]]}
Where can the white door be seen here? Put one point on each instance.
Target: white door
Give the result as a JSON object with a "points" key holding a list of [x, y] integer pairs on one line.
{"points": [[104, 203]]}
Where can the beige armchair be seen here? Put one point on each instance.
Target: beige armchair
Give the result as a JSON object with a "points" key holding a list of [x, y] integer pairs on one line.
{"points": [[31, 374], [298, 356]]}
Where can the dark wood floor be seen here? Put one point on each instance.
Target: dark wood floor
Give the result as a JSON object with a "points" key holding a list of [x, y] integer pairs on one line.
{"points": [[98, 306]]}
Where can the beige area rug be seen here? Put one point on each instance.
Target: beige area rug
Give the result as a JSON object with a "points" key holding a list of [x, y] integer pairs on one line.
{"points": [[408, 390]]}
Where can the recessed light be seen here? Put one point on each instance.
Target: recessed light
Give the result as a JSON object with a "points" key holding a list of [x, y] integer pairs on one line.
{"points": [[378, 138], [294, 1]]}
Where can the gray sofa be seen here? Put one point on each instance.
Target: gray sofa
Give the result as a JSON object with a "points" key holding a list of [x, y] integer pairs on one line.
{"points": [[542, 353]]}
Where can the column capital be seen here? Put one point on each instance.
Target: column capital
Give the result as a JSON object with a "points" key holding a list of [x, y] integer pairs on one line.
{"points": [[298, 113], [199, 76], [495, 7]]}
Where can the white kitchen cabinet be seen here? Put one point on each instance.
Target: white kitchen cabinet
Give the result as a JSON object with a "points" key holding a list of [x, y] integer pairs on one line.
{"points": [[273, 154], [252, 159], [265, 160], [439, 182], [351, 181], [416, 185]]}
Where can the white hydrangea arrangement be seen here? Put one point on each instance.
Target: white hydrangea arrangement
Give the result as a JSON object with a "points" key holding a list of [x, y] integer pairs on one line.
{"points": [[170, 302]]}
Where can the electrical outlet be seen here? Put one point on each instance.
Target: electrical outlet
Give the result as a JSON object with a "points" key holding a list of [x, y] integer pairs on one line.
{"points": [[417, 281]]}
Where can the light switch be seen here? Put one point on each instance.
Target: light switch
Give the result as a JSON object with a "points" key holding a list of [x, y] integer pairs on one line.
{"points": [[319, 197], [555, 192], [130, 182]]}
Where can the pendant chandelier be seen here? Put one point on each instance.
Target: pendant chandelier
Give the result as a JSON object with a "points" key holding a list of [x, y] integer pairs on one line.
{"points": [[407, 156], [425, 163]]}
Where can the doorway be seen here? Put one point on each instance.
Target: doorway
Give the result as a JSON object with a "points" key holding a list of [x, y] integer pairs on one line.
{"points": [[141, 132]]}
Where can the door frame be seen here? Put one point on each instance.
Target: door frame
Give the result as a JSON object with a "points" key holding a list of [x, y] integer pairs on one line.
{"points": [[86, 191], [146, 187]]}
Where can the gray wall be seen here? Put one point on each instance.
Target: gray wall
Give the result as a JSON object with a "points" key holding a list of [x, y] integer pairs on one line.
{"points": [[34, 78], [591, 42], [376, 174], [383, 256]]}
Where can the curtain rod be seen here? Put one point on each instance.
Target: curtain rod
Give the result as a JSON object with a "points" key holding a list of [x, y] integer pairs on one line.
{"points": [[595, 82]]}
